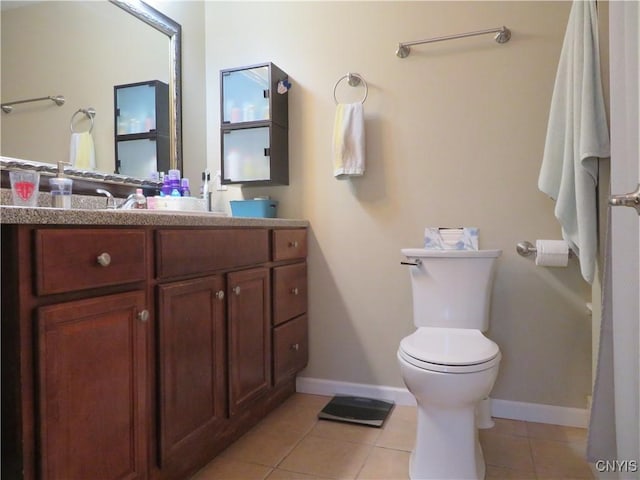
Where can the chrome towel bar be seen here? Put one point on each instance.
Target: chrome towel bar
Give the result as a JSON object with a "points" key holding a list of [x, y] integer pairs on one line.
{"points": [[503, 36], [57, 99]]}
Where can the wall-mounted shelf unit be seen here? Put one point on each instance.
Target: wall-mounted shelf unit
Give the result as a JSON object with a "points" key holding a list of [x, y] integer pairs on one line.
{"points": [[254, 126]]}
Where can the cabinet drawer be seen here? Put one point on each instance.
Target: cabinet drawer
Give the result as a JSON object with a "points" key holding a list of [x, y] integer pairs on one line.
{"points": [[290, 348], [289, 243], [68, 260], [289, 292], [186, 252]]}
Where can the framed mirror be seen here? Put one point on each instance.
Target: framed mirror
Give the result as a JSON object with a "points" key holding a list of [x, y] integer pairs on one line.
{"points": [[81, 51]]}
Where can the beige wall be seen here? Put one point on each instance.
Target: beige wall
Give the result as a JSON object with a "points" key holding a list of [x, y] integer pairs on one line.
{"points": [[455, 135]]}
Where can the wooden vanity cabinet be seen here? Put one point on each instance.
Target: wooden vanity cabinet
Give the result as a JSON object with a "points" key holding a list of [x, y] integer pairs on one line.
{"points": [[146, 362]]}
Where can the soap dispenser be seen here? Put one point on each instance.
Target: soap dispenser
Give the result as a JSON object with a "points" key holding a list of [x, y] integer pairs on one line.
{"points": [[60, 187]]}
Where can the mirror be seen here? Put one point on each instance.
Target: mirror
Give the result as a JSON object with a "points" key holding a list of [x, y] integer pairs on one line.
{"points": [[80, 51]]}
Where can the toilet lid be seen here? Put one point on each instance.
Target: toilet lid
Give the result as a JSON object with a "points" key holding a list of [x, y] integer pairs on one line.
{"points": [[449, 346]]}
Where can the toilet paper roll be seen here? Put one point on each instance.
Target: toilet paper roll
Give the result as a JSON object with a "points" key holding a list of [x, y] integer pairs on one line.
{"points": [[552, 253]]}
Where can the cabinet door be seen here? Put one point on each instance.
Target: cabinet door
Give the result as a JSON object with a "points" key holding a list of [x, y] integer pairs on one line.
{"points": [[251, 94], [191, 357], [92, 381], [141, 108], [257, 155], [249, 336], [246, 155], [140, 157], [245, 95]]}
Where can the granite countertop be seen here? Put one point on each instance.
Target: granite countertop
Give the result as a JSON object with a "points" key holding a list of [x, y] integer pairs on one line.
{"points": [[78, 216]]}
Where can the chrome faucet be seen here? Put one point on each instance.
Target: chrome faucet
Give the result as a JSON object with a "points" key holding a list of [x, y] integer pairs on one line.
{"points": [[111, 201], [131, 202]]}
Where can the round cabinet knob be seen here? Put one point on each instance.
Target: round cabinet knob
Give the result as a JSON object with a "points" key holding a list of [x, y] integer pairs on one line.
{"points": [[295, 347], [295, 291], [236, 290], [293, 244], [143, 316], [104, 259], [220, 294]]}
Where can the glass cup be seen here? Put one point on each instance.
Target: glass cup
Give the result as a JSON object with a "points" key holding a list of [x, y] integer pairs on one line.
{"points": [[24, 187]]}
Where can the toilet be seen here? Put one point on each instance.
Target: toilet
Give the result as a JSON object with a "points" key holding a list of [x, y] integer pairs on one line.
{"points": [[447, 363]]}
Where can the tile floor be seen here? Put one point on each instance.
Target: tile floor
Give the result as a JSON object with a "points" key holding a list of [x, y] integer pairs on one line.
{"points": [[291, 443]]}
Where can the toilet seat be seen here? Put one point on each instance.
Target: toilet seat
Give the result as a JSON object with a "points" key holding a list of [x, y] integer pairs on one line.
{"points": [[449, 350]]}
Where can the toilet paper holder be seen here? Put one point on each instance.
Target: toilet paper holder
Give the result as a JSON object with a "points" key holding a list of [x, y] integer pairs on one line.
{"points": [[526, 249]]}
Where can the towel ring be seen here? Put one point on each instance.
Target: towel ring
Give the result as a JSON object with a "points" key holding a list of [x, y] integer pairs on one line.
{"points": [[354, 80], [89, 112]]}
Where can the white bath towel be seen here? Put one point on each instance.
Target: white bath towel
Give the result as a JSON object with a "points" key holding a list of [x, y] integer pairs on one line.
{"points": [[601, 443], [577, 134], [82, 151], [348, 140]]}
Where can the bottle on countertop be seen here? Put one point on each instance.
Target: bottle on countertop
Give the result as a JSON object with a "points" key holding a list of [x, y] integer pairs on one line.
{"points": [[166, 188], [185, 191], [140, 199], [60, 187], [174, 183]]}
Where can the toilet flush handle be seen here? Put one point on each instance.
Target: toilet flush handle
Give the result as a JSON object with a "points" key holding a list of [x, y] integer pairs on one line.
{"points": [[416, 263]]}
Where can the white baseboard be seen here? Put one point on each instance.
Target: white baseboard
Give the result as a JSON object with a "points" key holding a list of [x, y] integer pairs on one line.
{"points": [[537, 412], [318, 386], [530, 412]]}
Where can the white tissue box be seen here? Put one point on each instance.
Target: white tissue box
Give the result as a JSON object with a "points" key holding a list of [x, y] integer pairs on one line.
{"points": [[440, 238]]}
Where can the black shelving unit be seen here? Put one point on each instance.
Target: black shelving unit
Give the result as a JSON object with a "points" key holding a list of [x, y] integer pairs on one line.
{"points": [[254, 131], [141, 125]]}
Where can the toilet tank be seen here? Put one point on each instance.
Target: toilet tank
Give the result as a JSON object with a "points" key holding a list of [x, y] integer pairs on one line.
{"points": [[452, 288]]}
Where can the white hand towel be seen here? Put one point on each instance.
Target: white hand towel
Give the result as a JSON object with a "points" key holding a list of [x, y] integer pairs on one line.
{"points": [[348, 140], [577, 134], [82, 151]]}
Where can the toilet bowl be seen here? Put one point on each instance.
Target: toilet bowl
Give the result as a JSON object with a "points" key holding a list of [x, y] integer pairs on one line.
{"points": [[447, 363], [448, 371]]}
